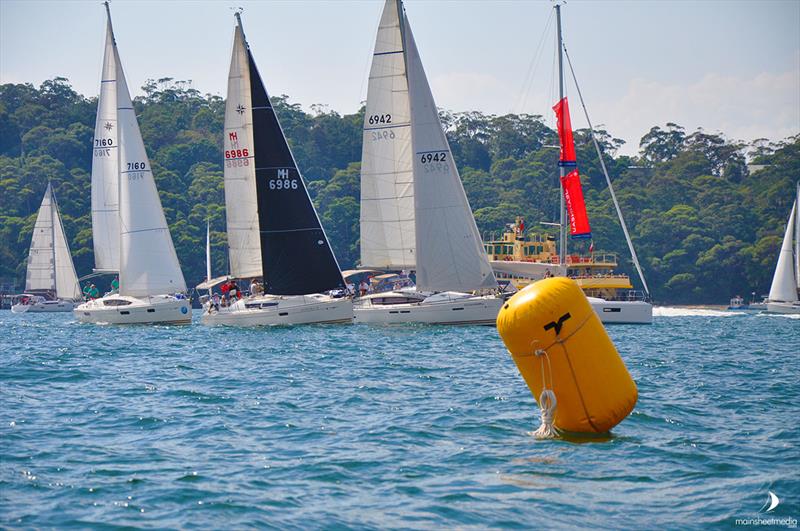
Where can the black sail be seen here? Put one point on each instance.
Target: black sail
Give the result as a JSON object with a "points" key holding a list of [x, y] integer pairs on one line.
{"points": [[296, 256]]}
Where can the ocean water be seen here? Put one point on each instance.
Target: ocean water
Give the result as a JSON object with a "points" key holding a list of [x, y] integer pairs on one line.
{"points": [[386, 427]]}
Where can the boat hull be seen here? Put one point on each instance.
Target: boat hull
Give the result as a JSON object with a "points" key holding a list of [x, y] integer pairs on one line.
{"points": [[279, 310], [466, 311], [45, 307], [120, 309], [783, 307], [622, 312]]}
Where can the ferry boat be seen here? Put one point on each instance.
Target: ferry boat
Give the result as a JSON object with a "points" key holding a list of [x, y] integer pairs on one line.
{"points": [[521, 258]]}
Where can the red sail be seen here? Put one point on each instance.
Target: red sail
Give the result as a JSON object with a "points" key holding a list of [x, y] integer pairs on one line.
{"points": [[576, 207], [564, 125]]}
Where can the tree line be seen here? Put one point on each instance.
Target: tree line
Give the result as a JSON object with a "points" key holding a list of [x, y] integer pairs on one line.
{"points": [[706, 213]]}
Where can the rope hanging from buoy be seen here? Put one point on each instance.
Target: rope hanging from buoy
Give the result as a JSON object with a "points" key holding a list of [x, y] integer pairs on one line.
{"points": [[547, 401]]}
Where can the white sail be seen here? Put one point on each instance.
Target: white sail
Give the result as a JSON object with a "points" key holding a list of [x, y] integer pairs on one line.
{"points": [[148, 263], [797, 238], [241, 200], [105, 165], [41, 256], [50, 264], [450, 253], [67, 286], [784, 284], [387, 179]]}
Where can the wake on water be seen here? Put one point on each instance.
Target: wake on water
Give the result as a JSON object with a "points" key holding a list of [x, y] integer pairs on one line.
{"points": [[670, 311]]}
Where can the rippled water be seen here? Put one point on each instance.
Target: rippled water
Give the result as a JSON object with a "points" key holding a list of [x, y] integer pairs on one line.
{"points": [[376, 427]]}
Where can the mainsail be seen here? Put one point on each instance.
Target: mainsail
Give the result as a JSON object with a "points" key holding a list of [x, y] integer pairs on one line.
{"points": [[50, 266], [784, 283], [148, 263], [105, 165], [387, 179], [450, 254], [296, 256], [241, 201]]}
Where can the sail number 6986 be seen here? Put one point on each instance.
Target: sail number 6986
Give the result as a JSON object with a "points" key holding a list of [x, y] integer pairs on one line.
{"points": [[283, 184]]}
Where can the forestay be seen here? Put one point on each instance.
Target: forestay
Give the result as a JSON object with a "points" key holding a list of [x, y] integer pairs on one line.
{"points": [[450, 254], [387, 178], [296, 255], [241, 202], [148, 263], [105, 165], [784, 283]]}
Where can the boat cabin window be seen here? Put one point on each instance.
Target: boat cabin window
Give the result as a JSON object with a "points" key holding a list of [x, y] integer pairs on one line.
{"points": [[394, 300], [116, 302]]}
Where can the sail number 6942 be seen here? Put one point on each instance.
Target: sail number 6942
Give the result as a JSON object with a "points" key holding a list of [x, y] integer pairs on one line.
{"points": [[433, 157]]}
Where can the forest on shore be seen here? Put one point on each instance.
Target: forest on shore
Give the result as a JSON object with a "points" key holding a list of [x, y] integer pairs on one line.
{"points": [[706, 213]]}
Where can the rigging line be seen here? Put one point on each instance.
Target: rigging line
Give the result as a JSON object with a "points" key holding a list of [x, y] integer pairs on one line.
{"points": [[608, 179], [368, 63], [522, 100]]}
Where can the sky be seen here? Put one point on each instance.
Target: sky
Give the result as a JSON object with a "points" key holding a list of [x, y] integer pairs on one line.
{"points": [[726, 66]]}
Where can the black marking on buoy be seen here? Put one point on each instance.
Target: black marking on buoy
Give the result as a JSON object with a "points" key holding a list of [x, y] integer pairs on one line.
{"points": [[559, 324]]}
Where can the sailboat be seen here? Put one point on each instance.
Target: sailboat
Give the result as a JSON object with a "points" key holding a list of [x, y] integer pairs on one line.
{"points": [[273, 230], [129, 229], [783, 294], [414, 212], [522, 260], [51, 284]]}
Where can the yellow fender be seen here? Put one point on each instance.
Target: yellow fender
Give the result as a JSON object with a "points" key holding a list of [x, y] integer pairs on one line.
{"points": [[559, 343]]}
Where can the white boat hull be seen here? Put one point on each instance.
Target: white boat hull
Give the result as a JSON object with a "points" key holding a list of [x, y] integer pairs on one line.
{"points": [[622, 312], [783, 307], [269, 310], [481, 310], [120, 309], [44, 307]]}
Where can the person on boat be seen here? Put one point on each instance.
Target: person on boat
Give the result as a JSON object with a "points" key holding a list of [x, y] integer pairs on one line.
{"points": [[351, 288], [93, 291], [233, 291], [215, 301], [256, 288], [225, 288], [115, 285], [86, 289], [363, 288]]}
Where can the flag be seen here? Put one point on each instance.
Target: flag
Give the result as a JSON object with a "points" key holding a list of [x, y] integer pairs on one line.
{"points": [[591, 247], [576, 207], [564, 126]]}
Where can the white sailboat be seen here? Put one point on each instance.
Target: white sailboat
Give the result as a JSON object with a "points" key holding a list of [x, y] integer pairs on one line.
{"points": [[273, 230], [129, 227], [414, 212], [783, 293], [51, 284]]}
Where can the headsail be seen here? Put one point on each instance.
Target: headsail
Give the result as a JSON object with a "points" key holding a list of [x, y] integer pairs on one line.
{"points": [[148, 263], [450, 254], [241, 201], [387, 179], [105, 164], [295, 253], [784, 283], [67, 286]]}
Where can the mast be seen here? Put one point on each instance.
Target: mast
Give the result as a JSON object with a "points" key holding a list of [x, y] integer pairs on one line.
{"points": [[562, 232], [53, 236], [208, 250]]}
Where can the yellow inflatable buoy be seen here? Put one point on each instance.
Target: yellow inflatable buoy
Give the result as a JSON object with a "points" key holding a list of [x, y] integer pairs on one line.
{"points": [[566, 358]]}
